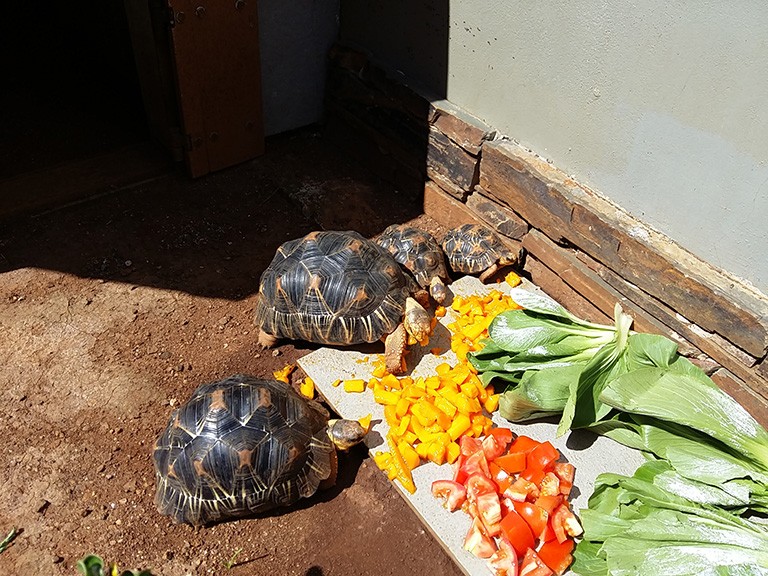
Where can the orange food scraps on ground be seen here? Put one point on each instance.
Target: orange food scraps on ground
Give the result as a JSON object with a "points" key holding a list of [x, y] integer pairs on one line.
{"points": [[428, 416], [284, 373], [512, 279], [354, 385], [307, 388], [365, 422]]}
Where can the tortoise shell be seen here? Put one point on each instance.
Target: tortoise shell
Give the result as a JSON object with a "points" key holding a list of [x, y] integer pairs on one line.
{"points": [[473, 248], [415, 249], [240, 446], [331, 287]]}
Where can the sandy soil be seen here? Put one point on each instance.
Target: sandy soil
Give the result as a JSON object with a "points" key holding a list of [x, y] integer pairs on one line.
{"points": [[114, 310]]}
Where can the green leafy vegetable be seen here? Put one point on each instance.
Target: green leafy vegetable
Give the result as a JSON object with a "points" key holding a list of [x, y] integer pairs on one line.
{"points": [[691, 508], [634, 525]]}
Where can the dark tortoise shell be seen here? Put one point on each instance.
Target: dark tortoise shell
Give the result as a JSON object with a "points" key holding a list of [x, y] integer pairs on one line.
{"points": [[332, 287], [417, 250], [240, 446], [473, 248]]}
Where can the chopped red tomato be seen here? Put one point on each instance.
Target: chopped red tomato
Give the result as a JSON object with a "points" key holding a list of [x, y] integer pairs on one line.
{"points": [[535, 517], [556, 555], [538, 460], [566, 472], [451, 494], [521, 490], [504, 436], [504, 560], [478, 542], [549, 503], [492, 447], [478, 484], [523, 444], [549, 485], [565, 523], [516, 492], [489, 508], [476, 464], [470, 445], [533, 566], [517, 532], [512, 462]]}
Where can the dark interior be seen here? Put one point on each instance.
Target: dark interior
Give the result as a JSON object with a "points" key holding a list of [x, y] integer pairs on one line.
{"points": [[70, 89]]}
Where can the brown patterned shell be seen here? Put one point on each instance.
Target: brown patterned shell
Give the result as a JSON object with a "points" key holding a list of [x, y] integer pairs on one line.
{"points": [[331, 287], [473, 248], [238, 447], [415, 249]]}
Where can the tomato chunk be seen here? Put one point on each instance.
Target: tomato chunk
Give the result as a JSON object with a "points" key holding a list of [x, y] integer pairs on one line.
{"points": [[542, 456], [557, 555], [451, 494], [478, 542], [504, 560], [492, 447], [512, 462], [517, 531], [532, 565], [535, 517], [523, 444], [476, 464], [564, 523], [503, 436], [566, 472], [489, 508]]}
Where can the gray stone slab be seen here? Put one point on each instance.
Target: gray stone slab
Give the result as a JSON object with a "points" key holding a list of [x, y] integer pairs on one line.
{"points": [[591, 454]]}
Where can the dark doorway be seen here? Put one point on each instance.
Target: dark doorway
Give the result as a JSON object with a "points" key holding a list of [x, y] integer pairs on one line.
{"points": [[70, 88]]}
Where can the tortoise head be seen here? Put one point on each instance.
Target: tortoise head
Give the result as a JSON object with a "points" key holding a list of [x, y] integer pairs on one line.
{"points": [[345, 433], [437, 290], [510, 257]]}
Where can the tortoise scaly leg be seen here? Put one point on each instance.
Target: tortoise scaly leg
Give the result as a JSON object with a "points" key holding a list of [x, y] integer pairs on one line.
{"points": [[394, 350], [266, 340], [416, 321], [490, 271]]}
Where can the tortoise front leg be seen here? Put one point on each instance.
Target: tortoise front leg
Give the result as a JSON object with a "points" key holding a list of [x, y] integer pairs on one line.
{"points": [[492, 269], [394, 350], [266, 340]]}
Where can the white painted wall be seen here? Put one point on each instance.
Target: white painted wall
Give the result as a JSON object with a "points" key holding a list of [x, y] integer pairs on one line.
{"points": [[295, 38], [660, 106]]}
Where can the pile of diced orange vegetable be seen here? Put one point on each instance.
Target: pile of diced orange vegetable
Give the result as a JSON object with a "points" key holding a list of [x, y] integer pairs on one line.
{"points": [[428, 415]]}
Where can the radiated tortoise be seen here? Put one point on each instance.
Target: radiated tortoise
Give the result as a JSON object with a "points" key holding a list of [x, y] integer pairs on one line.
{"points": [[243, 445]]}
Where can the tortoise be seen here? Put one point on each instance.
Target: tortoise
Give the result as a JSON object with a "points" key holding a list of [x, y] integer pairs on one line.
{"points": [[420, 253], [243, 445], [338, 288], [474, 248]]}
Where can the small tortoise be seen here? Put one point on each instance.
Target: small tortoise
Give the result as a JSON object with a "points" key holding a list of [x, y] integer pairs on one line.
{"points": [[420, 253], [241, 446], [473, 248], [339, 288]]}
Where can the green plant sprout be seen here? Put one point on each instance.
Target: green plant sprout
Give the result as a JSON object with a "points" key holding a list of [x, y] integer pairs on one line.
{"points": [[231, 563], [8, 539], [93, 565]]}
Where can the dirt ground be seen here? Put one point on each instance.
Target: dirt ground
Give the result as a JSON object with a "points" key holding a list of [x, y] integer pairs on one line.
{"points": [[112, 311]]}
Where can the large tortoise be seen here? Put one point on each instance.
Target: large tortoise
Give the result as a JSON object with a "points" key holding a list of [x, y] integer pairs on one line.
{"points": [[338, 288], [419, 252], [474, 248], [241, 446]]}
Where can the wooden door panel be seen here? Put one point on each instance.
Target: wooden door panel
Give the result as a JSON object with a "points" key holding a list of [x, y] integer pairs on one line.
{"points": [[218, 70]]}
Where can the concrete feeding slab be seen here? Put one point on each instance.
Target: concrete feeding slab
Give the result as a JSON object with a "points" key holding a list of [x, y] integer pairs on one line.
{"points": [[592, 455]]}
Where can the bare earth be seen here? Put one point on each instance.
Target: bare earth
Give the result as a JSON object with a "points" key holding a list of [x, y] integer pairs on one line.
{"points": [[114, 310]]}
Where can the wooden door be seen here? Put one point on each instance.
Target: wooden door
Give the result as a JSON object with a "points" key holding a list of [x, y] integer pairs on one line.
{"points": [[215, 45]]}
